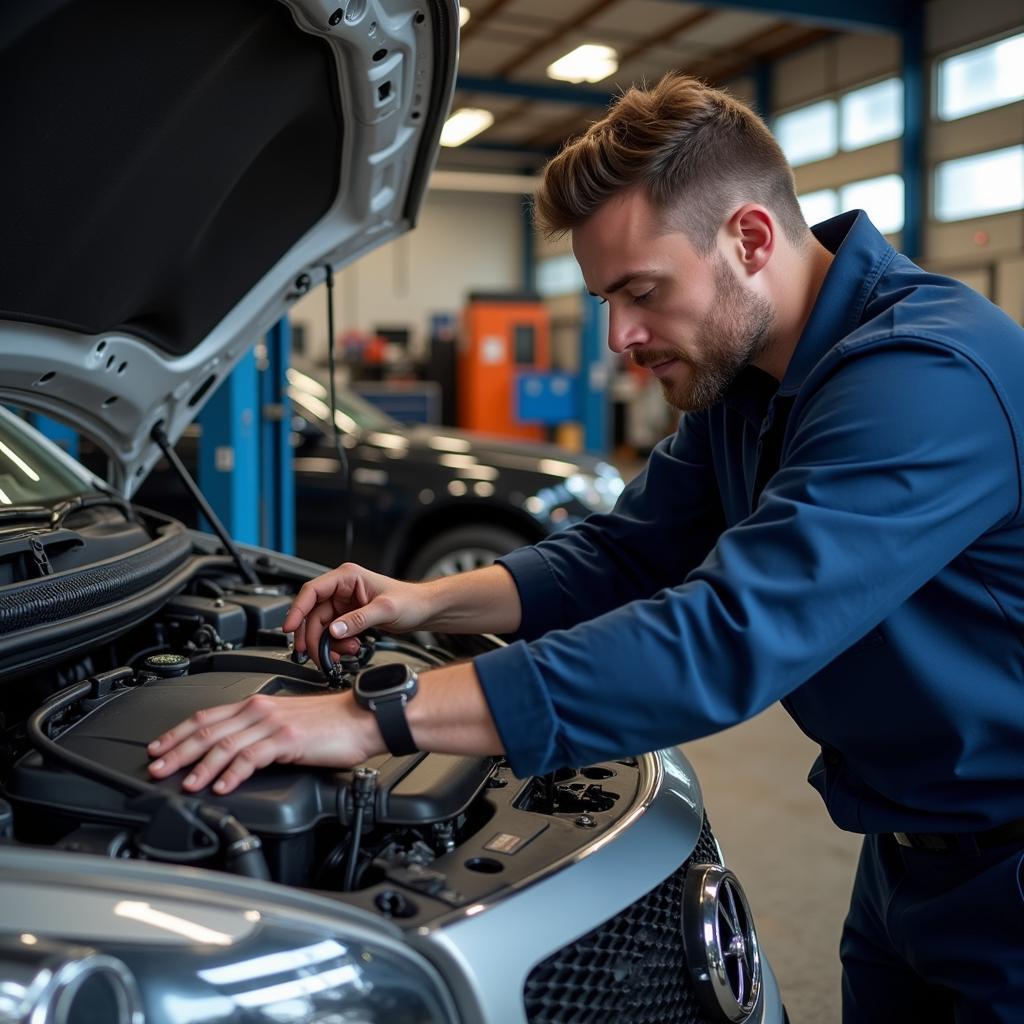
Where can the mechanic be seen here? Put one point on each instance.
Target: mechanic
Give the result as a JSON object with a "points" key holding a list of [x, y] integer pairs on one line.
{"points": [[836, 524]]}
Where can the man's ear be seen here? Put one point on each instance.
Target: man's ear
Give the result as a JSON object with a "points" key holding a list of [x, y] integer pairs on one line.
{"points": [[750, 236]]}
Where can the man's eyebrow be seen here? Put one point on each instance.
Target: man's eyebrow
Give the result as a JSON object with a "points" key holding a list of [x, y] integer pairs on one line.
{"points": [[621, 282]]}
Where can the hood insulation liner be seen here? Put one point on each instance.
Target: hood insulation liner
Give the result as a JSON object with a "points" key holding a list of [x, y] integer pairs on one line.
{"points": [[158, 159]]}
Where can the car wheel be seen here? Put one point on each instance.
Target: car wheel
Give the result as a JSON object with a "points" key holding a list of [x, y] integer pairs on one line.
{"points": [[462, 549]]}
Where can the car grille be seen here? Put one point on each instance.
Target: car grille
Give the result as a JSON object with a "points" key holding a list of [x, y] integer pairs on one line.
{"points": [[629, 970]]}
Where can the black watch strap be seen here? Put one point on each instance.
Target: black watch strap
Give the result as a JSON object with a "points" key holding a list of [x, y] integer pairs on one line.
{"points": [[391, 721]]}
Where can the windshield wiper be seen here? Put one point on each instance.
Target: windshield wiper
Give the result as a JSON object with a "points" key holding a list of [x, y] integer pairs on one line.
{"points": [[55, 514], [27, 513], [62, 509]]}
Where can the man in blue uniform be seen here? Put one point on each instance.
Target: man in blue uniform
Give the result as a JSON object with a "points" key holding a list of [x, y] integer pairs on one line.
{"points": [[836, 524]]}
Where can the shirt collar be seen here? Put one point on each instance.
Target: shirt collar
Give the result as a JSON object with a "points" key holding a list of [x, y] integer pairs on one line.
{"points": [[751, 393], [861, 254]]}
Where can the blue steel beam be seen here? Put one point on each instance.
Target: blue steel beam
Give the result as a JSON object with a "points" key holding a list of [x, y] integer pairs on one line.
{"points": [[763, 100], [912, 142], [277, 479], [594, 375], [510, 147], [229, 452], [529, 247], [535, 91], [57, 432], [859, 16]]}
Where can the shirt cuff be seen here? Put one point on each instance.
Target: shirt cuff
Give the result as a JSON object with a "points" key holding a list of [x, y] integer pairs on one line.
{"points": [[540, 596], [521, 708]]}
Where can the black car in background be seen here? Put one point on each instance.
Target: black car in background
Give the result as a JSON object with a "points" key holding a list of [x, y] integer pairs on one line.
{"points": [[425, 501]]}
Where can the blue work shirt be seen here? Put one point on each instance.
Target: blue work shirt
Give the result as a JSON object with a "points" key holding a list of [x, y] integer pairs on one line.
{"points": [[849, 541]]}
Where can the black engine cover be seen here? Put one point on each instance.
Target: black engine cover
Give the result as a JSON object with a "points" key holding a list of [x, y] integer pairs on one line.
{"points": [[282, 802]]}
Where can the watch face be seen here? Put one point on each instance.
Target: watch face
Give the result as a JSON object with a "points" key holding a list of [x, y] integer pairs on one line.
{"points": [[383, 679]]}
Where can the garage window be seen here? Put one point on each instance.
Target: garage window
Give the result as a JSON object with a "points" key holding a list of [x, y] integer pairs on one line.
{"points": [[975, 186], [880, 198], [809, 133], [871, 115], [820, 205], [980, 79]]}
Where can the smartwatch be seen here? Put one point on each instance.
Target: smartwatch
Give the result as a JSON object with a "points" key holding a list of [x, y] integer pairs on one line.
{"points": [[385, 690]]}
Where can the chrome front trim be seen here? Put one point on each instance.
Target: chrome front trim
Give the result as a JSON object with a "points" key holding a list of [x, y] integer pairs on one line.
{"points": [[651, 776], [488, 950], [722, 950]]}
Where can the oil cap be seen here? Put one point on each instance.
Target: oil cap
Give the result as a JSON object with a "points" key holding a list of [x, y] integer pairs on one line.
{"points": [[167, 666]]}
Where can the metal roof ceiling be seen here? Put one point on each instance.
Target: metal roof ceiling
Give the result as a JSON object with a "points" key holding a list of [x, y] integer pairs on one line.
{"points": [[508, 44]]}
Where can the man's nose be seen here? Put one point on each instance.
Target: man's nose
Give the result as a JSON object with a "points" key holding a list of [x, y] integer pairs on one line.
{"points": [[624, 331]]}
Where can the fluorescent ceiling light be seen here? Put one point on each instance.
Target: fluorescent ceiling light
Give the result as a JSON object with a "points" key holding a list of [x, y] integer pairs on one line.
{"points": [[464, 124], [587, 63], [463, 16]]}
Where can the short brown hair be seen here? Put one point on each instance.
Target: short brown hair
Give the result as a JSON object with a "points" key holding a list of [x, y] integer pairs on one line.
{"points": [[695, 150]]}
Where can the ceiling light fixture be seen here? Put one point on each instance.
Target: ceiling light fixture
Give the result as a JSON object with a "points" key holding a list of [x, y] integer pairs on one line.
{"points": [[463, 16], [464, 124], [588, 63]]}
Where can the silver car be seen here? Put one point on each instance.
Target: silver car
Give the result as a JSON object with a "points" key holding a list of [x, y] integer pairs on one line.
{"points": [[176, 178]]}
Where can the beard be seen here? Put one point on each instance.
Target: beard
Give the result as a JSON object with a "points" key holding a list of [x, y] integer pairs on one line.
{"points": [[734, 333]]}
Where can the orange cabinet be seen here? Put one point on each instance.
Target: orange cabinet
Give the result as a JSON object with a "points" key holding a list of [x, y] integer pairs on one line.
{"points": [[502, 336]]}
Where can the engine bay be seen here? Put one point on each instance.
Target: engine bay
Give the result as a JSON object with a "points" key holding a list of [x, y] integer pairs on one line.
{"points": [[412, 838]]}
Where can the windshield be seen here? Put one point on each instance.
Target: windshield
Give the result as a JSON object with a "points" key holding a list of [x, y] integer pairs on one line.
{"points": [[32, 471], [352, 412]]}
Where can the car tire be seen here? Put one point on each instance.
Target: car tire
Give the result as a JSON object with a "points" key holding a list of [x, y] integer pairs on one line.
{"points": [[461, 549]]}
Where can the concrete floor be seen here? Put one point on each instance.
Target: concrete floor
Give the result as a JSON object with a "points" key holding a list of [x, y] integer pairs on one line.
{"points": [[795, 866]]}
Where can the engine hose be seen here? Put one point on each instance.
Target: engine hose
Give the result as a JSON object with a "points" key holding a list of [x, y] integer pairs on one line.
{"points": [[243, 852], [333, 671], [52, 751], [355, 837], [364, 786]]}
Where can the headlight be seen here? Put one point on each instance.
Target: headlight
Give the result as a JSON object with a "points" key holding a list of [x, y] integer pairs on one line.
{"points": [[599, 491], [64, 984], [275, 973]]}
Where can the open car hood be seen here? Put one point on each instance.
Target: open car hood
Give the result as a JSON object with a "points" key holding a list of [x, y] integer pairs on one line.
{"points": [[175, 178]]}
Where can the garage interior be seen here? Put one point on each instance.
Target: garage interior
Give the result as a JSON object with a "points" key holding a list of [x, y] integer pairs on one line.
{"points": [[912, 110]]}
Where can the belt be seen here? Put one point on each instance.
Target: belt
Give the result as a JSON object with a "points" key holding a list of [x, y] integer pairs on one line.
{"points": [[1001, 835]]}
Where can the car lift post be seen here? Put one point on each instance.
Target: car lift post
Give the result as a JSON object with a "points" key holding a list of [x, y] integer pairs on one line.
{"points": [[277, 480], [229, 452], [594, 376], [59, 433]]}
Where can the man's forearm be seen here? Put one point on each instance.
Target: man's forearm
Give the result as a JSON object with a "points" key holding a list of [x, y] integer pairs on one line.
{"points": [[450, 714], [482, 601]]}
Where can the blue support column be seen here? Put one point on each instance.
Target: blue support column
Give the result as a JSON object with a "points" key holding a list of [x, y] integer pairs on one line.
{"points": [[529, 248], [229, 452], [582, 95], [593, 386], [57, 432], [763, 100], [862, 16], [277, 478], [912, 143]]}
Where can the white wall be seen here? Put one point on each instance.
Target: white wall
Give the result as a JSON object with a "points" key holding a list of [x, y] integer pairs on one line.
{"points": [[464, 241]]}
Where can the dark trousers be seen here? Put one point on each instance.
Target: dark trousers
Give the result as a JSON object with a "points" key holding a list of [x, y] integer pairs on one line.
{"points": [[934, 937]]}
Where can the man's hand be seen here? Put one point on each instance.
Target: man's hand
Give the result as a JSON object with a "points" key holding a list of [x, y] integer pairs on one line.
{"points": [[350, 600], [231, 741]]}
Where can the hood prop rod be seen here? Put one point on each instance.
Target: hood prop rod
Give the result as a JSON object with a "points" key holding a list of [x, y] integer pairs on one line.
{"points": [[339, 447], [205, 507]]}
